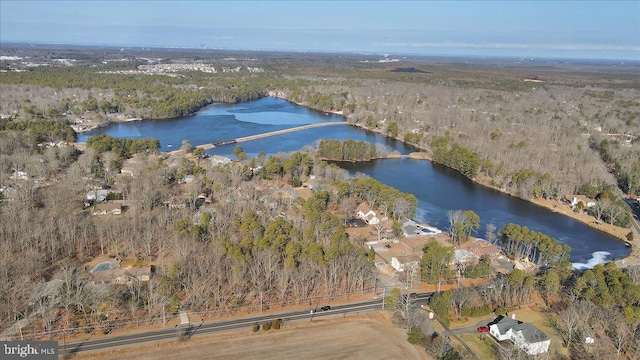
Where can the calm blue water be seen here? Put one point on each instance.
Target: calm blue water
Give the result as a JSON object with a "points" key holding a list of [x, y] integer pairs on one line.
{"points": [[440, 189], [437, 188], [219, 122]]}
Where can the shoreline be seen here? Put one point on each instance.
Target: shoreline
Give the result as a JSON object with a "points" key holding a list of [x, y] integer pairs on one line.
{"points": [[90, 127], [551, 205], [423, 154]]}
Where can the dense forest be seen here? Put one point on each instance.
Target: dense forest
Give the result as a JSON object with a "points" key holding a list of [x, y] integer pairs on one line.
{"points": [[124, 148], [346, 150], [39, 131]]}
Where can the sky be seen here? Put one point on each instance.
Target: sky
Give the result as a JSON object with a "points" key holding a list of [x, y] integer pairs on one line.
{"points": [[541, 29]]}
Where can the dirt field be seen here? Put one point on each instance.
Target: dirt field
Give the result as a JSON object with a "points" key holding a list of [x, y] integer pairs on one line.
{"points": [[367, 336]]}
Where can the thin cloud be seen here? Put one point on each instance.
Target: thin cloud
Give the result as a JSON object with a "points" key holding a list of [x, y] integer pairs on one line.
{"points": [[462, 45]]}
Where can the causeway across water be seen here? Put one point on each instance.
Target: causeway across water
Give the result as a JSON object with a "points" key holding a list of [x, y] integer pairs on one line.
{"points": [[272, 133]]}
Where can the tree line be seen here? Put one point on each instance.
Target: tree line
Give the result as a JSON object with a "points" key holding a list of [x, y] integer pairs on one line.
{"points": [[521, 242], [387, 199], [125, 148], [455, 156], [346, 150], [40, 130]]}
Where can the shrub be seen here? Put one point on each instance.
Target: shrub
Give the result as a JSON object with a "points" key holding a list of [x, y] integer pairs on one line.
{"points": [[475, 311], [501, 311], [416, 336], [266, 326], [276, 324], [256, 327]]}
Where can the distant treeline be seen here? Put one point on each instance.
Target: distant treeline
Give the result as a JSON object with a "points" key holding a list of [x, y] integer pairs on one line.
{"points": [[160, 96], [125, 148], [346, 150]]}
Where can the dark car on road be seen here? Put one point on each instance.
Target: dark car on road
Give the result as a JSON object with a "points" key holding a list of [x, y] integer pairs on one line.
{"points": [[325, 308]]}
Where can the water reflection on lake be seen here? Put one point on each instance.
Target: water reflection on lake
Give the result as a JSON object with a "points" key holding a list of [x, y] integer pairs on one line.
{"points": [[437, 188]]}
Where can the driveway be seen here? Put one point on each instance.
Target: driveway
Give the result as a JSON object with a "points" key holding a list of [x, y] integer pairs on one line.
{"points": [[472, 329]]}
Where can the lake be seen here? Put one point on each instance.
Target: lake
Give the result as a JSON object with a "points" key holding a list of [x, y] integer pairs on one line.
{"points": [[438, 189]]}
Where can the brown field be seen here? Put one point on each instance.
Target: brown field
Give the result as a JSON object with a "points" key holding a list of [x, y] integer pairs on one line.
{"points": [[367, 336]]}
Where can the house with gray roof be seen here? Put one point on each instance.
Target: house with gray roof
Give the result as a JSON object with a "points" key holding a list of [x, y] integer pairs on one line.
{"points": [[500, 329], [524, 335]]}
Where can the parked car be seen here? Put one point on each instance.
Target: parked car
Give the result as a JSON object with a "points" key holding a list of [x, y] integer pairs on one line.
{"points": [[325, 308], [483, 329]]}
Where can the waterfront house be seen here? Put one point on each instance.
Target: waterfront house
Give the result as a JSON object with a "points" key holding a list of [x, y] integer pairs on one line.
{"points": [[463, 257], [365, 213], [217, 160], [482, 248], [575, 199]]}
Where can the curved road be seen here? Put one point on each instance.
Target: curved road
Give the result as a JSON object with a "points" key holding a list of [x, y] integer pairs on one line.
{"points": [[184, 332]]}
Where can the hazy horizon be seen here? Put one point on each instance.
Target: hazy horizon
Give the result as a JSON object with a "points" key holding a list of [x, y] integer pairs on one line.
{"points": [[567, 30]]}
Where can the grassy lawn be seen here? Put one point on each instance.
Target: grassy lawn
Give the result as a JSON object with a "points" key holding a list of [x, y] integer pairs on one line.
{"points": [[469, 321], [482, 348]]}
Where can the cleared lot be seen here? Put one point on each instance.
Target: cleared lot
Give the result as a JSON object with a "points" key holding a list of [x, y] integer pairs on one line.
{"points": [[368, 336]]}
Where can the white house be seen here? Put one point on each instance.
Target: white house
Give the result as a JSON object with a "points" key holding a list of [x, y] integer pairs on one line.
{"points": [[462, 256], [530, 339], [366, 214], [524, 335], [586, 202], [217, 160], [401, 263], [501, 330]]}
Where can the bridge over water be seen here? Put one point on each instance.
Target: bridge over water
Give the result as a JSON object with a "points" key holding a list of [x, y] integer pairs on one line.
{"points": [[267, 134]]}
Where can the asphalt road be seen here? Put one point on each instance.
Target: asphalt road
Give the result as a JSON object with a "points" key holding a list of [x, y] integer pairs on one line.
{"points": [[186, 332]]}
